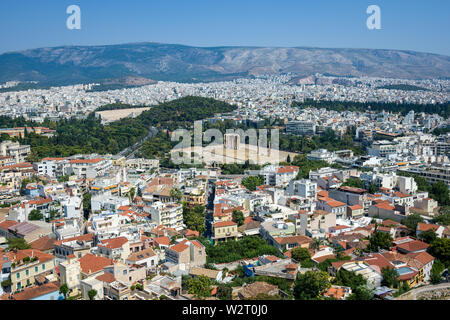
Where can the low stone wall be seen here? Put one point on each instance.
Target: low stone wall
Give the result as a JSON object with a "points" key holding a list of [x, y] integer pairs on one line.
{"points": [[439, 292], [442, 294]]}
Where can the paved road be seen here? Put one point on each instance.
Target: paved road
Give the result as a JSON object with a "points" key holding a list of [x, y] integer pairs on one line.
{"points": [[134, 148]]}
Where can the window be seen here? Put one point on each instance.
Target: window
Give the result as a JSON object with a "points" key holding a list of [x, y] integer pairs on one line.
{"points": [[18, 275], [36, 269], [27, 272], [43, 266], [124, 272]]}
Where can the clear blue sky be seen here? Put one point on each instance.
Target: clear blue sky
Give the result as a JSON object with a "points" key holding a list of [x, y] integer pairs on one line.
{"points": [[420, 25]]}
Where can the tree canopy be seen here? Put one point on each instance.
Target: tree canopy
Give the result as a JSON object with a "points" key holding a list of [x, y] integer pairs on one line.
{"points": [[440, 249], [349, 279], [194, 218], [412, 221], [238, 217], [18, 244], [390, 277], [252, 182], [444, 217], [310, 285], [200, 286], [379, 240], [403, 108], [233, 250], [300, 254], [88, 135]]}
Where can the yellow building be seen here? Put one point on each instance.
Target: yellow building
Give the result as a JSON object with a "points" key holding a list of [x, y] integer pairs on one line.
{"points": [[225, 230], [194, 197], [118, 161], [26, 265]]}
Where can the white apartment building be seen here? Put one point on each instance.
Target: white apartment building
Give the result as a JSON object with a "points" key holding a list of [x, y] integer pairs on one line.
{"points": [[72, 207], [390, 181], [167, 214], [105, 222], [322, 155], [304, 188], [382, 149], [51, 167], [14, 150], [301, 128], [87, 168], [278, 176], [108, 203]]}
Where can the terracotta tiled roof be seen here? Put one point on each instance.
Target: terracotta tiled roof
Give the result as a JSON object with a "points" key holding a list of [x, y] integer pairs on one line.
{"points": [[293, 239], [335, 204], [340, 227], [323, 193], [378, 262], [162, 241], [423, 257], [323, 258], [40, 201], [224, 224], [36, 291], [91, 264], [42, 256], [337, 293], [272, 258], [140, 255], [389, 223], [385, 206], [43, 243], [412, 246], [7, 224], [385, 229], [288, 169], [86, 161], [191, 233], [402, 195], [425, 226], [179, 247], [113, 243], [106, 277]]}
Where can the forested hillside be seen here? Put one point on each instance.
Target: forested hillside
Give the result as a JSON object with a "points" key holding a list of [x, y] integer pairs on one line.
{"points": [[74, 136]]}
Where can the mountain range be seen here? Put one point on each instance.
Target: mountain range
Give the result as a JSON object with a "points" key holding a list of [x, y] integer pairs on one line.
{"points": [[156, 61]]}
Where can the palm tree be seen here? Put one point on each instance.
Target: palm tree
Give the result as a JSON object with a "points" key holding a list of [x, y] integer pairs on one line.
{"points": [[316, 244]]}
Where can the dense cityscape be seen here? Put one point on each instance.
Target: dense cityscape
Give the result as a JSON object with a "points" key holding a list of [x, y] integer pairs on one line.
{"points": [[270, 93], [355, 207]]}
